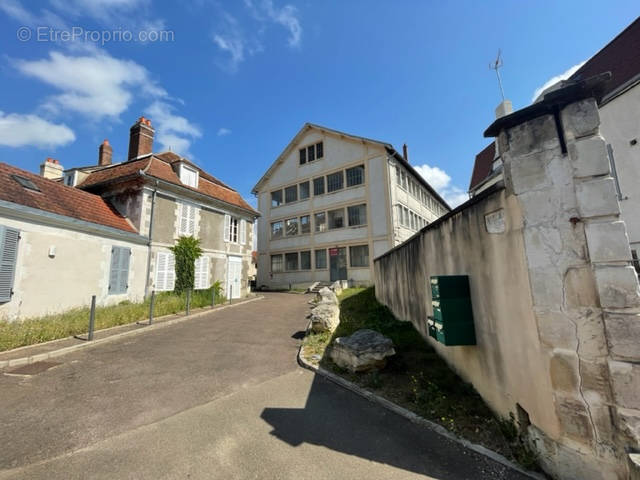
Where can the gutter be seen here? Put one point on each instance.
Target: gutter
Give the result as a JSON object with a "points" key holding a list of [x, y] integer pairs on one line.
{"points": [[150, 236]]}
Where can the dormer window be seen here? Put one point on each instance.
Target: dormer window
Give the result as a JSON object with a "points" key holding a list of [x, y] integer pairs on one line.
{"points": [[70, 178], [188, 176]]}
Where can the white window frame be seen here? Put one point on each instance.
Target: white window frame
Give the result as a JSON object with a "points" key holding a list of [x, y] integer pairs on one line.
{"points": [[201, 273], [189, 176], [165, 280], [231, 229], [186, 219], [243, 232]]}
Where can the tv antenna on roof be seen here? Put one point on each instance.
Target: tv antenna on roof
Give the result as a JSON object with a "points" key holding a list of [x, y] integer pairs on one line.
{"points": [[496, 66]]}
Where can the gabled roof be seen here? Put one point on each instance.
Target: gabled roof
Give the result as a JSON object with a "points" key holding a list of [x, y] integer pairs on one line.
{"points": [[621, 57], [482, 165], [311, 126], [54, 197], [160, 166]]}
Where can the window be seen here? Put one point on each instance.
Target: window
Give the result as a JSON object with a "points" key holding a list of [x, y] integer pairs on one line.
{"points": [[335, 181], [230, 229], [276, 198], [201, 276], [318, 186], [165, 271], [305, 224], [26, 183], [404, 180], [413, 220], [311, 153], [359, 256], [635, 261], [187, 223], [398, 176], [320, 220], [291, 261], [305, 260], [304, 190], [303, 156], [357, 215], [319, 150], [276, 229], [9, 238], [292, 226], [119, 271], [614, 172], [405, 215], [321, 259], [276, 263], [355, 176], [291, 194], [189, 176], [336, 219], [243, 232]]}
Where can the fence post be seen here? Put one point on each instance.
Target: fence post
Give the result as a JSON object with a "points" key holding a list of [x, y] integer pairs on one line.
{"points": [[188, 301], [152, 302], [92, 317], [213, 296]]}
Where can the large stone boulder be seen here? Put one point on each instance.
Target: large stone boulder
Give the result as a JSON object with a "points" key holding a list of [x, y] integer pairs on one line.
{"points": [[362, 351], [337, 287], [325, 317], [326, 295]]}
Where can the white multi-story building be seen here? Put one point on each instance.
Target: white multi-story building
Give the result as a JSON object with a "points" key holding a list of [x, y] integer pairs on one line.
{"points": [[331, 203]]}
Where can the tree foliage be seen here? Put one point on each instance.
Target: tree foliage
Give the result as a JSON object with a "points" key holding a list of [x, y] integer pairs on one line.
{"points": [[186, 251]]}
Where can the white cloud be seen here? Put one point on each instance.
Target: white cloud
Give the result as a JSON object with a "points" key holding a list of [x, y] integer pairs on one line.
{"points": [[17, 130], [222, 132], [556, 79], [286, 17], [96, 85], [441, 182], [15, 10], [173, 132]]}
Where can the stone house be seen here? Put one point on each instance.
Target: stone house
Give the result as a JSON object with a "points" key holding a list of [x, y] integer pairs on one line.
{"points": [[331, 202], [152, 198]]}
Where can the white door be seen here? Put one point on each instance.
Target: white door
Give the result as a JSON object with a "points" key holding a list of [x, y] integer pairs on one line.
{"points": [[234, 277]]}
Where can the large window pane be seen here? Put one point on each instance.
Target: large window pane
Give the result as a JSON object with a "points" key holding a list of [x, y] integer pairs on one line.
{"points": [[276, 263], [305, 260], [321, 259], [335, 181], [355, 176], [303, 156], [291, 261], [319, 150], [305, 224], [304, 190], [292, 226], [359, 256], [320, 220], [291, 194], [277, 229], [311, 153], [276, 198], [318, 186], [357, 215], [336, 219]]}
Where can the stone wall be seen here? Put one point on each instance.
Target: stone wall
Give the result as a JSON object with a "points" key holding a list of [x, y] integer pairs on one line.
{"points": [[555, 301]]}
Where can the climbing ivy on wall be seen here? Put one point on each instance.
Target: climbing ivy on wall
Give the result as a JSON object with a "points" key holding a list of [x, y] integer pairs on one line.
{"points": [[186, 251]]}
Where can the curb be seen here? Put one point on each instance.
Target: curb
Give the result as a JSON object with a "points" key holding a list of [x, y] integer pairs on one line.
{"points": [[414, 418], [16, 362]]}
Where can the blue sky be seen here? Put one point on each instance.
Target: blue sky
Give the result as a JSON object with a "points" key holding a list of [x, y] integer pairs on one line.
{"points": [[231, 83]]}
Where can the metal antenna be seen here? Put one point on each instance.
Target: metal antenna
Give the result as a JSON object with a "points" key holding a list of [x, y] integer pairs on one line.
{"points": [[495, 66]]}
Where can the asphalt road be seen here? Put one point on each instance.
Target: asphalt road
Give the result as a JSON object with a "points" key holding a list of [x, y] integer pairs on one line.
{"points": [[219, 396]]}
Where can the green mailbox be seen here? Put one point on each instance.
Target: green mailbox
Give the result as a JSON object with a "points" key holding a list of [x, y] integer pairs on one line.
{"points": [[452, 320]]}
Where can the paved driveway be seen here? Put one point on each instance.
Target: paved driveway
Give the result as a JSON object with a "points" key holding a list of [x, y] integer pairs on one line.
{"points": [[219, 396]]}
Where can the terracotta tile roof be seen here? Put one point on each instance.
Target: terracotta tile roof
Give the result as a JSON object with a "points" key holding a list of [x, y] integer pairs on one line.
{"points": [[482, 165], [621, 57], [55, 197], [160, 166]]}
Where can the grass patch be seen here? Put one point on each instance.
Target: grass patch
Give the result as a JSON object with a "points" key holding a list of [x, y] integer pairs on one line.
{"points": [[418, 379], [76, 321]]}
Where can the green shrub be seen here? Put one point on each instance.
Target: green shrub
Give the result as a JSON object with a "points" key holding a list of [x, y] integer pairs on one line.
{"points": [[186, 251]]}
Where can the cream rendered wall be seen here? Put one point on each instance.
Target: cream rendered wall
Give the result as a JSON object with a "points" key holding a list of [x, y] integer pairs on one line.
{"points": [[620, 124], [79, 269]]}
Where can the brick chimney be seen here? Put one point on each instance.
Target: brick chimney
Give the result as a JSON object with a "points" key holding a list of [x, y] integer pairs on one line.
{"points": [[51, 169], [140, 138], [105, 152], [405, 152]]}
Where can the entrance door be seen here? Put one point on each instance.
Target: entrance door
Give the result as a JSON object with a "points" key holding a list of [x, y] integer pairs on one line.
{"points": [[338, 263], [234, 277]]}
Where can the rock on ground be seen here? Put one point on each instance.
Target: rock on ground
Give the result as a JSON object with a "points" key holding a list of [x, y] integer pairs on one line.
{"points": [[362, 351], [325, 317], [325, 295]]}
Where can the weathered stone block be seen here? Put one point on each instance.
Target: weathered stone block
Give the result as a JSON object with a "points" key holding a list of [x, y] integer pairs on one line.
{"points": [[543, 245], [556, 330], [580, 119], [623, 336], [326, 295], [533, 136], [625, 379], [325, 318], [629, 423], [546, 288], [563, 368], [580, 288], [574, 419], [593, 344], [595, 380], [362, 351], [538, 207], [597, 197], [528, 172], [589, 157], [618, 287], [608, 242]]}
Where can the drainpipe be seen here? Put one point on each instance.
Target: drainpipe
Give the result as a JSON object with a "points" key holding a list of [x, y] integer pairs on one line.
{"points": [[153, 205]]}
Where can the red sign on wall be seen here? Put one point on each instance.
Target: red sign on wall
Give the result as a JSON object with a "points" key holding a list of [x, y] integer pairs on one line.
{"points": [[333, 252]]}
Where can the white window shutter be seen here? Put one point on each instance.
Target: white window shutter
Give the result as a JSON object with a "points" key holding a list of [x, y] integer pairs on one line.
{"points": [[8, 257], [184, 219], [192, 220], [161, 271], [227, 225], [243, 232], [205, 272], [171, 272]]}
